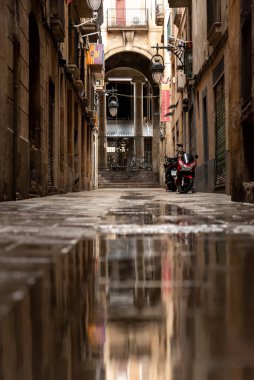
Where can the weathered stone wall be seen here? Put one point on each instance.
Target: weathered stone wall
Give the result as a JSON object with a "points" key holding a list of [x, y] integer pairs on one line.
{"points": [[34, 102], [40, 287], [205, 60]]}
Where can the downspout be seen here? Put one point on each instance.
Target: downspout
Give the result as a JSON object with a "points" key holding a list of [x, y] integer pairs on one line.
{"points": [[16, 64]]}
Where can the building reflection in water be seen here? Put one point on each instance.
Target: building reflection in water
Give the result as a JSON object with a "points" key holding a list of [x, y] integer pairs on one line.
{"points": [[139, 308], [176, 308]]}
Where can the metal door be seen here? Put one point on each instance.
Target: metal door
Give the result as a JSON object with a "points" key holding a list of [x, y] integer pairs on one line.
{"points": [[50, 135]]}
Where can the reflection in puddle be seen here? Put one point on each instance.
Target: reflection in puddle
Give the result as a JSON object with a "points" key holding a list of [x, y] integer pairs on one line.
{"points": [[171, 307]]}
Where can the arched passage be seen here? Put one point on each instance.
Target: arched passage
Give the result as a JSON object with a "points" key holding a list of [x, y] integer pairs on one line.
{"points": [[131, 132]]}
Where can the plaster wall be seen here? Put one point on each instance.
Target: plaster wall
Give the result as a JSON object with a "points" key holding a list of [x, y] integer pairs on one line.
{"points": [[139, 41], [199, 34]]}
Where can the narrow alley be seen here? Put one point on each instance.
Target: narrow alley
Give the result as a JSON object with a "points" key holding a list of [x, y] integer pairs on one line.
{"points": [[124, 284], [127, 190]]}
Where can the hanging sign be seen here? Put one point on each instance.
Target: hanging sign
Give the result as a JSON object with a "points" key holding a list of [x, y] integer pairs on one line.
{"points": [[95, 54]]}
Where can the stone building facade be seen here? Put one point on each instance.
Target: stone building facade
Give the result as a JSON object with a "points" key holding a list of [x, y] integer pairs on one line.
{"points": [[47, 118], [200, 92], [218, 125]]}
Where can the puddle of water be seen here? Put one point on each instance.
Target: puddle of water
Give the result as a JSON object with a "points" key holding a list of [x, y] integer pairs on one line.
{"points": [[166, 295], [177, 307]]}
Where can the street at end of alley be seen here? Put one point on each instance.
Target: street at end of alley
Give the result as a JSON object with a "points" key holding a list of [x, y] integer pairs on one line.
{"points": [[127, 284]]}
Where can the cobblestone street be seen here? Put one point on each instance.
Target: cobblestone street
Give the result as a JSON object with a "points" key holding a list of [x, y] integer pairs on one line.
{"points": [[100, 284]]}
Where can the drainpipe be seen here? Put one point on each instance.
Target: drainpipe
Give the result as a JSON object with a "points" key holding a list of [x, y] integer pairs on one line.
{"points": [[16, 64]]}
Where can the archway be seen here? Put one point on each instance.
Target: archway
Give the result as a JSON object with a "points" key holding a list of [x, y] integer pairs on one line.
{"points": [[131, 132]]}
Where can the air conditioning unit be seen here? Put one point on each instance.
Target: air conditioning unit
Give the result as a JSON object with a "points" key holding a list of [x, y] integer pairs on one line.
{"points": [[136, 21]]}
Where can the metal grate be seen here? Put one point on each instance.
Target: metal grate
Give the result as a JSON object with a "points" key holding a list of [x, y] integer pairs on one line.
{"points": [[220, 134]]}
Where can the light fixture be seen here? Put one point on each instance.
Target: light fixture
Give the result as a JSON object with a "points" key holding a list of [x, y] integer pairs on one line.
{"points": [[157, 62], [119, 79], [113, 105], [157, 67], [94, 5]]}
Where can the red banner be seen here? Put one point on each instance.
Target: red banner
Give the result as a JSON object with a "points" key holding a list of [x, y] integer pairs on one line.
{"points": [[165, 102]]}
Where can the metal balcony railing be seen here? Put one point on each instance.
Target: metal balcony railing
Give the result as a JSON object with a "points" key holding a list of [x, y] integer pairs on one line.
{"points": [[127, 18]]}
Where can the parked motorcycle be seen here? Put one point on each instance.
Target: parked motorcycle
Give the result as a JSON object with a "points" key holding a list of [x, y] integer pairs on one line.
{"points": [[170, 167], [186, 166], [180, 171]]}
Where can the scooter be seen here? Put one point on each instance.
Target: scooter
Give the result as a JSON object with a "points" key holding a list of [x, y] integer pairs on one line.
{"points": [[186, 166], [170, 167]]}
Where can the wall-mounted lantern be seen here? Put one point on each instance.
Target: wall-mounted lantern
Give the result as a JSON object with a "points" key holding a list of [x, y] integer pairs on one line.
{"points": [[182, 50]]}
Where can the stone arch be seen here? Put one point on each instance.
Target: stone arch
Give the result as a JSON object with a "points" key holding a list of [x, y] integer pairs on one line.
{"points": [[133, 59], [139, 50]]}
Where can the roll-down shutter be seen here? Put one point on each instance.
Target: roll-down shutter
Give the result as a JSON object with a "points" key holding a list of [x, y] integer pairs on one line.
{"points": [[220, 134], [50, 136]]}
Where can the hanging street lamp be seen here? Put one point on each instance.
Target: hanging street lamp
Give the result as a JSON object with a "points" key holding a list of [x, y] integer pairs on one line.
{"points": [[157, 67], [113, 105], [181, 49], [94, 5]]}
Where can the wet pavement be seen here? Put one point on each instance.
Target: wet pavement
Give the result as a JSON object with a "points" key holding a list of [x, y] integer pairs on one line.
{"points": [[135, 284]]}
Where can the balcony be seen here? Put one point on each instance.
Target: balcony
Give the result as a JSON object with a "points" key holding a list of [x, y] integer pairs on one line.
{"points": [[159, 12], [85, 12], [75, 71], [83, 8], [214, 28], [127, 19], [57, 28], [79, 86], [179, 3], [214, 32]]}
